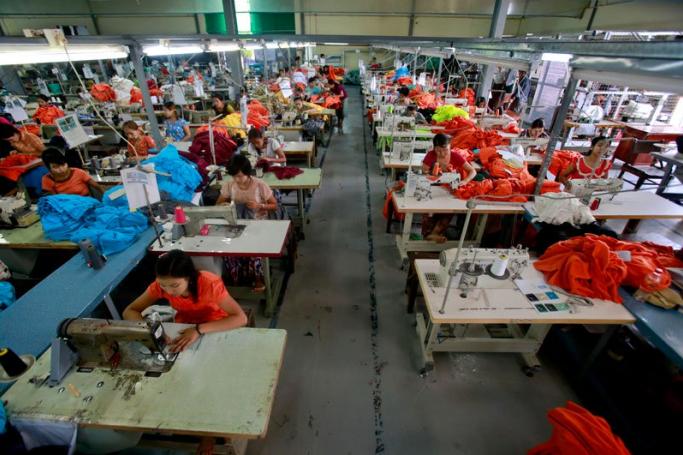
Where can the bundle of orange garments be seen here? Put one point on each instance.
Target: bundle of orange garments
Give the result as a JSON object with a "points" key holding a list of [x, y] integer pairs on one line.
{"points": [[503, 189], [8, 165], [590, 266], [561, 160], [103, 92], [456, 125], [476, 139], [257, 107], [136, 96], [469, 94], [578, 432], [46, 115]]}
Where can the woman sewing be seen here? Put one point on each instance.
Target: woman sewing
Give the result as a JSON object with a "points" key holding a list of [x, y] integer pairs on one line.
{"points": [[591, 165]]}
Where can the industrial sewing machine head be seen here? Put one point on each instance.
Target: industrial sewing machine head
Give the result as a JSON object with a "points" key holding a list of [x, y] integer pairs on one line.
{"points": [[16, 211], [490, 121], [215, 221], [400, 150], [91, 343], [483, 268], [585, 188], [418, 186]]}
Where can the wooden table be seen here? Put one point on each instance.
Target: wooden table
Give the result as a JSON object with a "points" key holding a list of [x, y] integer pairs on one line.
{"points": [[502, 303], [31, 237], [222, 386], [264, 239], [298, 148], [673, 160], [442, 202], [72, 290], [632, 205]]}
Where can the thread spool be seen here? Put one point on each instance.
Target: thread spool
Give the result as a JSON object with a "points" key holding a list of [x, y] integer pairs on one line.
{"points": [[92, 257], [12, 363], [499, 266], [180, 217]]}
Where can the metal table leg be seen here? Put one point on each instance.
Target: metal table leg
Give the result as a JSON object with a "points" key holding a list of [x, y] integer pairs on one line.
{"points": [[302, 209], [111, 307], [270, 299]]}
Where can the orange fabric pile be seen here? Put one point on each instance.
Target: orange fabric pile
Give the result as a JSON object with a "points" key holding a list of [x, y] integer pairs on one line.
{"points": [[103, 92], [31, 128], [405, 80], [578, 432], [8, 165], [469, 94], [136, 95], [46, 115], [648, 260], [156, 92], [496, 166], [503, 189], [332, 102], [512, 127], [589, 266], [476, 139], [466, 154], [273, 88], [258, 116], [561, 160], [456, 125], [257, 107]]}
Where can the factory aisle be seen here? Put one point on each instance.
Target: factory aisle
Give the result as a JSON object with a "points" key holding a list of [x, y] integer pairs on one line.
{"points": [[349, 383]]}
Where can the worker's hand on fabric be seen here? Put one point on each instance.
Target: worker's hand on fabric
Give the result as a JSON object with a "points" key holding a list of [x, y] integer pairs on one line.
{"points": [[253, 205], [186, 338]]}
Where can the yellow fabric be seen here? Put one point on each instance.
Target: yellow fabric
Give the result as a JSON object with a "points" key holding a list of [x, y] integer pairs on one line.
{"points": [[235, 121]]}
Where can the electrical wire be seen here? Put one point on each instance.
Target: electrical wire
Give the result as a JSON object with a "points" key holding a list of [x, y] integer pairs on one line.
{"points": [[88, 98]]}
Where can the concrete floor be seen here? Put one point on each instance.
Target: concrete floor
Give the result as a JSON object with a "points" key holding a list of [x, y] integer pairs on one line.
{"points": [[350, 383]]}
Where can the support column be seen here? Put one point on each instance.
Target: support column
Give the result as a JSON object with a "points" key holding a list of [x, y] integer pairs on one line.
{"points": [[500, 11], [136, 58], [411, 23], [234, 58], [556, 130]]}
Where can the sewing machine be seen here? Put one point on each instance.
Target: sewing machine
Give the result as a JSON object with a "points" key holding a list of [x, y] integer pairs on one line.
{"points": [[288, 118], [482, 268], [16, 212], [456, 101], [585, 188], [528, 142], [489, 121], [400, 151], [215, 221], [92, 343], [399, 123]]}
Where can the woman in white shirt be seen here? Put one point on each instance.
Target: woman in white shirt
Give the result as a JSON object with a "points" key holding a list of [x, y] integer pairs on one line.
{"points": [[267, 149]]}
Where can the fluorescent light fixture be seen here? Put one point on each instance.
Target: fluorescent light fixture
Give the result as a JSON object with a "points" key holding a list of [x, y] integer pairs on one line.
{"points": [[551, 57], [224, 47], [155, 51], [272, 46], [336, 44], [253, 46], [22, 54]]}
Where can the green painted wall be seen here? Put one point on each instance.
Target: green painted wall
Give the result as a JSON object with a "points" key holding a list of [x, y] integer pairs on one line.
{"points": [[272, 23]]}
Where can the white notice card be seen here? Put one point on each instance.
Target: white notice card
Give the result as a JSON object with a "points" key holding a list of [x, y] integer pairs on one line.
{"points": [[72, 131], [141, 187]]}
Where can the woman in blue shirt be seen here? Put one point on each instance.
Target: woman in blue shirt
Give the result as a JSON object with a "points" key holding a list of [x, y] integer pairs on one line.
{"points": [[177, 129]]}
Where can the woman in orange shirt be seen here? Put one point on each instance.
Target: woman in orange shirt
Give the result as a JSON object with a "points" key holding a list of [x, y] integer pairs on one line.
{"points": [[21, 141], [47, 112], [199, 297], [591, 165]]}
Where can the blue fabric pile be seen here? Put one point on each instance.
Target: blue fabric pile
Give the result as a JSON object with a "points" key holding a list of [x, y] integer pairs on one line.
{"points": [[400, 72], [7, 295], [180, 186], [75, 218]]}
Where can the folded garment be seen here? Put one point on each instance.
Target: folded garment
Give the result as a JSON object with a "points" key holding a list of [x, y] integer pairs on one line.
{"points": [[11, 166], [558, 208], [285, 172], [578, 432], [75, 218]]}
